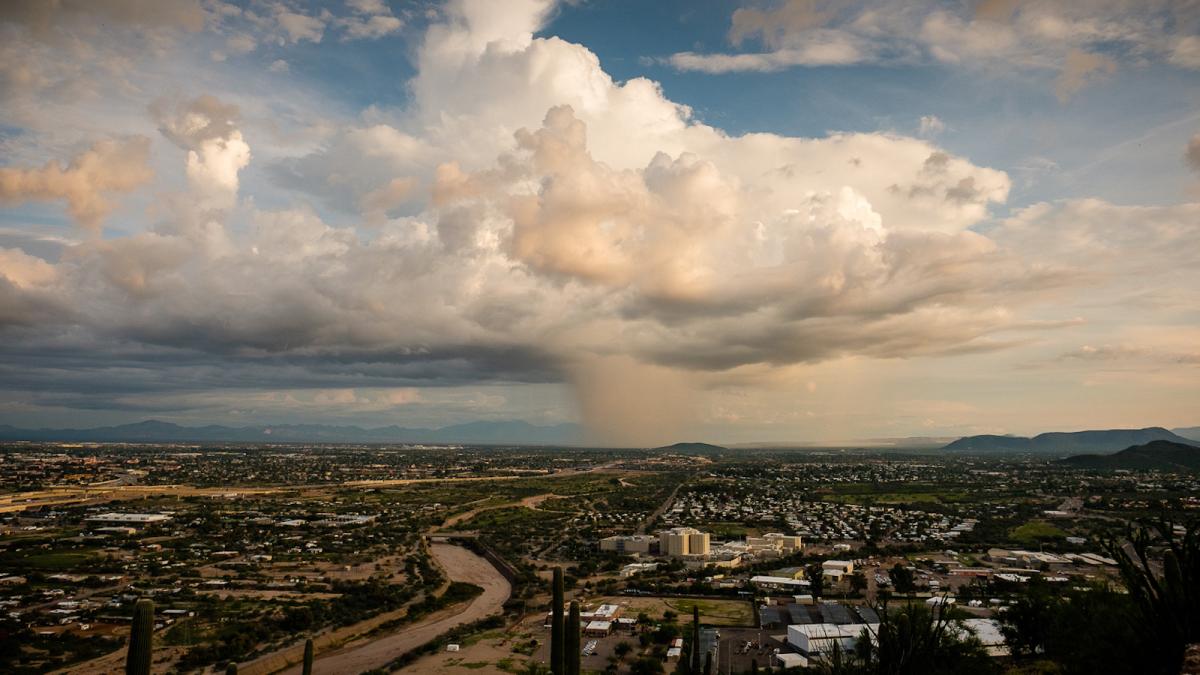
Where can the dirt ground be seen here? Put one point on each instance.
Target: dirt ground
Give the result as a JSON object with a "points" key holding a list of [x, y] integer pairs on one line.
{"points": [[460, 565], [390, 565], [712, 612], [270, 595], [479, 658], [531, 502]]}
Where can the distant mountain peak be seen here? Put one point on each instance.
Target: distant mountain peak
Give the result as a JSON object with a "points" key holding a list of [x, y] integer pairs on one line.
{"points": [[1159, 455], [1064, 442], [692, 446]]}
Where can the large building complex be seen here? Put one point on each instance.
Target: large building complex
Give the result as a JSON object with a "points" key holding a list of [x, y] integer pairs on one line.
{"points": [[697, 547], [629, 543], [681, 541], [786, 543]]}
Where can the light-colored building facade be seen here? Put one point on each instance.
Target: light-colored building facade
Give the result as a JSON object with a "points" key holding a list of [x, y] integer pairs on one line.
{"points": [[774, 543], [837, 567], [628, 543], [138, 520], [681, 541], [790, 543]]}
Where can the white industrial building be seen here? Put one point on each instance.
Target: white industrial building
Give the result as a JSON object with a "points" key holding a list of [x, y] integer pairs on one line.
{"points": [[790, 660], [816, 639], [128, 519], [988, 632], [637, 568], [769, 582]]}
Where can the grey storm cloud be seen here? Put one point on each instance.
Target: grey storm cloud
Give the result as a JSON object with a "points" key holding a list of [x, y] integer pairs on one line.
{"points": [[1191, 154], [527, 219]]}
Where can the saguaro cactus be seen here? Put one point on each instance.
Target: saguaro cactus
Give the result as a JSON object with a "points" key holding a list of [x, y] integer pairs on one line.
{"points": [[557, 632], [308, 656], [573, 646], [137, 660]]}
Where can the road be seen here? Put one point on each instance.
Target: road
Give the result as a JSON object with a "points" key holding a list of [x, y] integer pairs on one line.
{"points": [[662, 508], [460, 565], [96, 494], [531, 502]]}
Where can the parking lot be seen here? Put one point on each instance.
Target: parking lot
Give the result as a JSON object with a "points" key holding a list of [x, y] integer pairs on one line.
{"points": [[738, 647]]}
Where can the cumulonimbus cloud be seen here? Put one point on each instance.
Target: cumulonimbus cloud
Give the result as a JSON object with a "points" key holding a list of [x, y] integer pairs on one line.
{"points": [[531, 219]]}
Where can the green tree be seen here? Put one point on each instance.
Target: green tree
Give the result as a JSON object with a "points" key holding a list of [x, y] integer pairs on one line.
{"points": [[902, 578], [1027, 622], [915, 639], [646, 666], [858, 582], [1097, 629], [911, 640], [1167, 602], [816, 579], [1080, 631]]}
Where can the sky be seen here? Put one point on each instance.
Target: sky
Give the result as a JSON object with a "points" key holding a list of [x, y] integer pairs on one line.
{"points": [[765, 221]]}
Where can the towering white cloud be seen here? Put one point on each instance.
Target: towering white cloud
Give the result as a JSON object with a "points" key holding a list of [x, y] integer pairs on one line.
{"points": [[216, 151]]}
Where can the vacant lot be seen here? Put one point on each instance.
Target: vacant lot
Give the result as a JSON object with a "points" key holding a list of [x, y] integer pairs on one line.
{"points": [[712, 612], [1035, 530], [50, 561]]}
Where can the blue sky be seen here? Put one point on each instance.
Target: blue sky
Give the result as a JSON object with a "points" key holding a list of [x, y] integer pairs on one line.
{"points": [[772, 220]]}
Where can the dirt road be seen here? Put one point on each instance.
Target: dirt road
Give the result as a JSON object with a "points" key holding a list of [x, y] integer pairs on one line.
{"points": [[460, 565], [531, 502]]}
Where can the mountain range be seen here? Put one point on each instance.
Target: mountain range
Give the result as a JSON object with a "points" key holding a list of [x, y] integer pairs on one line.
{"points": [[1161, 455], [1065, 443], [517, 432], [508, 432]]}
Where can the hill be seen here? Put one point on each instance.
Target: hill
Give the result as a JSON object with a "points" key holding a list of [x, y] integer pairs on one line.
{"points": [[1160, 455], [692, 447], [507, 432], [1064, 443], [1190, 433]]}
